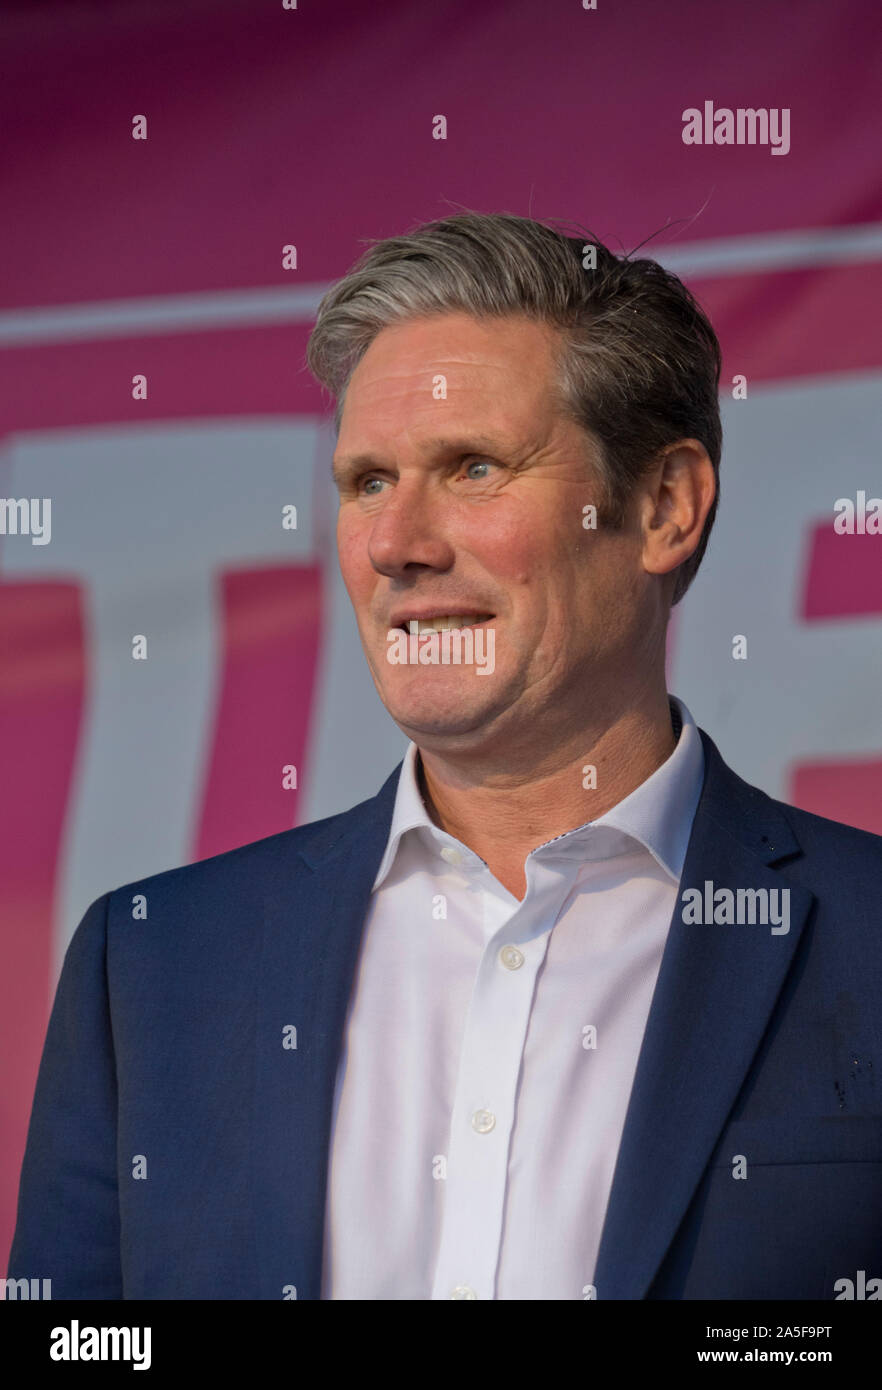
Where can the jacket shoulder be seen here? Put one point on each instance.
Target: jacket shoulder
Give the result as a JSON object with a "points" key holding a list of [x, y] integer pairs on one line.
{"points": [[747, 810], [819, 834], [249, 863]]}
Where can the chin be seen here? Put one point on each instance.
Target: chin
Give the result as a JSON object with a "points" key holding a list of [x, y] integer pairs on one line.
{"points": [[445, 714]]}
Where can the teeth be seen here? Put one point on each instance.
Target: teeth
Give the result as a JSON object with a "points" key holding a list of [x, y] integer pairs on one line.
{"points": [[447, 623]]}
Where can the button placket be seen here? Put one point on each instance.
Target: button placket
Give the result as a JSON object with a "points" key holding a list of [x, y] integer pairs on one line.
{"points": [[484, 1107]]}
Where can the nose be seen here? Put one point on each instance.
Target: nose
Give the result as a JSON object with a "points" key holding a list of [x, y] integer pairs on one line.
{"points": [[408, 531]]}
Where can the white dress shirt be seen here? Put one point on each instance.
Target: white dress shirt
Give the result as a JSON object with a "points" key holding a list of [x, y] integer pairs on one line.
{"points": [[490, 1048]]}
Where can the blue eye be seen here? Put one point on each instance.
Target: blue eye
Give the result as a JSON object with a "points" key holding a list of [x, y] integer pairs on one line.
{"points": [[371, 480], [478, 463]]}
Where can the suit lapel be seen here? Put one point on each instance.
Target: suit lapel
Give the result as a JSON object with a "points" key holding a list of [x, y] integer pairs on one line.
{"points": [[716, 990], [314, 910]]}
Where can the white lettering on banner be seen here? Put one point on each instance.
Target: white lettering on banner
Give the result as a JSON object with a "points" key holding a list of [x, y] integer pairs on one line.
{"points": [[784, 462], [152, 513]]}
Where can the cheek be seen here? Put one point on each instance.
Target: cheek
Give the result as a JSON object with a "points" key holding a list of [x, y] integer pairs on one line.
{"points": [[355, 566], [516, 558]]}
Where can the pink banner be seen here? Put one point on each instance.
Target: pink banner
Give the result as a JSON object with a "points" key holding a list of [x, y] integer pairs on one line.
{"points": [[161, 258]]}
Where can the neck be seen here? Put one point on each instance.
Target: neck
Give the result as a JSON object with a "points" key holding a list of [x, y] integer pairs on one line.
{"points": [[503, 810]]}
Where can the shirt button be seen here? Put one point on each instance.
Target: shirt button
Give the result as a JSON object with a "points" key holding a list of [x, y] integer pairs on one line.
{"points": [[483, 1121], [463, 1291], [511, 957], [451, 854]]}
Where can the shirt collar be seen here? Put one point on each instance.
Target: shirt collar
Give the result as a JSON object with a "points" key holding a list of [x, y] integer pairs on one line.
{"points": [[658, 814]]}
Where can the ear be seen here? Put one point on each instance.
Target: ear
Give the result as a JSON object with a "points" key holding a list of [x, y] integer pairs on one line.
{"points": [[678, 495]]}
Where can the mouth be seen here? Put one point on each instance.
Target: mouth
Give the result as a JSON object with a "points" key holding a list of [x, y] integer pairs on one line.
{"points": [[445, 622]]}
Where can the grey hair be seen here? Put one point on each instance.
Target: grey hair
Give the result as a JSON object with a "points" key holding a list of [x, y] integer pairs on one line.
{"points": [[639, 363]]}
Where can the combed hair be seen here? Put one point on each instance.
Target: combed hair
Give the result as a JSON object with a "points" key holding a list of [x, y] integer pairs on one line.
{"points": [[639, 363]]}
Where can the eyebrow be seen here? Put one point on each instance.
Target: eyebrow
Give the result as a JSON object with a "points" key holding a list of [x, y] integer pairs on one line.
{"points": [[438, 445]]}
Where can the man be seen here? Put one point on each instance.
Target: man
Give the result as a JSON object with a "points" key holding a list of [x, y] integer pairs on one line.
{"points": [[568, 1010]]}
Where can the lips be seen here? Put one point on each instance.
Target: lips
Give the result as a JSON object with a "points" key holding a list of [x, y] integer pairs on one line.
{"points": [[441, 622]]}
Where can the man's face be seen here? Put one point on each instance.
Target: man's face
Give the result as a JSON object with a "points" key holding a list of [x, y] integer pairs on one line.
{"points": [[471, 503]]}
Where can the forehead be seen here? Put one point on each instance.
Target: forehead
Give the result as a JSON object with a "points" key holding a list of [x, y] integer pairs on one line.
{"points": [[499, 373]]}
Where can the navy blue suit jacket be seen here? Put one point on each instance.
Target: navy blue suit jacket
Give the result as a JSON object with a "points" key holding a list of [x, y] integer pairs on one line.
{"points": [[165, 1055]]}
